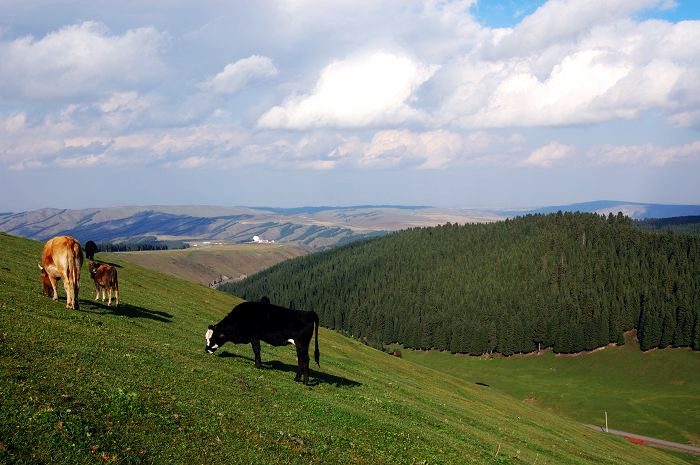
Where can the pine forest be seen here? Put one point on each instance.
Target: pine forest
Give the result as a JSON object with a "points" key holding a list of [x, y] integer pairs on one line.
{"points": [[569, 281]]}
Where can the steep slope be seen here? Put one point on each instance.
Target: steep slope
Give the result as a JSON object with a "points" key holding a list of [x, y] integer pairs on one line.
{"points": [[133, 385]]}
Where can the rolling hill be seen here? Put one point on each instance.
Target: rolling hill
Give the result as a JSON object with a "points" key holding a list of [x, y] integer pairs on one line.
{"points": [[315, 228], [133, 385]]}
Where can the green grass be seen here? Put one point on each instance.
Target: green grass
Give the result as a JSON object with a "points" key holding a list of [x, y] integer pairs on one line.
{"points": [[133, 385], [654, 393]]}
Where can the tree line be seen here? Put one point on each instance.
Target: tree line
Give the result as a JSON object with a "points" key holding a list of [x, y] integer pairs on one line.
{"points": [[140, 246], [678, 224], [570, 281]]}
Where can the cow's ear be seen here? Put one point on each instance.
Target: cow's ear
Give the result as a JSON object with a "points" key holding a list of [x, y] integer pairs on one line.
{"points": [[211, 326]]}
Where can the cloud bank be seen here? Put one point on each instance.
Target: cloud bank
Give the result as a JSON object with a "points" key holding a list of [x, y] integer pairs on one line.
{"points": [[352, 85]]}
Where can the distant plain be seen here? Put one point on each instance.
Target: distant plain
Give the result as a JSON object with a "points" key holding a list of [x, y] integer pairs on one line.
{"points": [[204, 264]]}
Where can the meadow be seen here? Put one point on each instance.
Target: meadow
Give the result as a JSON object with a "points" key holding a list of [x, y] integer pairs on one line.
{"points": [[133, 385], [654, 393]]}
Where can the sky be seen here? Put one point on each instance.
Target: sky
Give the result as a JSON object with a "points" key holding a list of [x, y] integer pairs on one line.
{"points": [[287, 103]]}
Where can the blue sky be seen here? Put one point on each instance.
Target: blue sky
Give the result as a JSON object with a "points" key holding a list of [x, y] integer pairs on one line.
{"points": [[294, 102]]}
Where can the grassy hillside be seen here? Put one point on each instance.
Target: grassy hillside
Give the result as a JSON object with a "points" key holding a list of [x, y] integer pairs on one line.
{"points": [[204, 264], [133, 385], [654, 393]]}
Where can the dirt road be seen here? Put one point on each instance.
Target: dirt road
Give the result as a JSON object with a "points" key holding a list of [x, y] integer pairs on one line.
{"points": [[645, 440]]}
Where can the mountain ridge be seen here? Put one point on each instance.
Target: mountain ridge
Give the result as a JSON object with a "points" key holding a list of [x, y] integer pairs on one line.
{"points": [[314, 227]]}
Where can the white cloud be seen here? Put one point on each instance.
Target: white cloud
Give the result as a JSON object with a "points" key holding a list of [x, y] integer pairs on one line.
{"points": [[547, 156], [558, 21], [366, 90], [190, 162], [237, 75], [577, 62], [427, 150], [651, 154], [122, 101], [76, 60]]}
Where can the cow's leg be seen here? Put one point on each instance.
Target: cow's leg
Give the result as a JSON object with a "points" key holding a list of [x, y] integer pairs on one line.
{"points": [[109, 292], [302, 363], [116, 294], [76, 300], [255, 342], [299, 366], [103, 295], [52, 280], [97, 292], [68, 286]]}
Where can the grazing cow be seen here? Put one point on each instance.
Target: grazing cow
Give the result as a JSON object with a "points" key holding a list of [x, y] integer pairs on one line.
{"points": [[90, 249], [252, 322], [62, 258], [105, 277]]}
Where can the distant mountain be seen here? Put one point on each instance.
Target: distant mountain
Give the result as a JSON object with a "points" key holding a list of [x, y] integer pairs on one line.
{"points": [[315, 228], [634, 210]]}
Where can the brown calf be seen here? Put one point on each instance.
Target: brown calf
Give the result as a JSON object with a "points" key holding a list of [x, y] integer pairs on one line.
{"points": [[62, 258], [105, 277]]}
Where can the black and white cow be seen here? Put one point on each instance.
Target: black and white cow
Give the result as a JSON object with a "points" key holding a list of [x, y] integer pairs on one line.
{"points": [[252, 322]]}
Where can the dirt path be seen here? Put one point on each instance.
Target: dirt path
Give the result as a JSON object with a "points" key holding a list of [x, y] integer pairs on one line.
{"points": [[645, 440]]}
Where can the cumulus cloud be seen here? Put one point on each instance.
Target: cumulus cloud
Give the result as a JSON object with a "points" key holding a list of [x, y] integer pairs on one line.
{"points": [[565, 20], [77, 60], [395, 84], [236, 75], [366, 90], [547, 156], [577, 62], [428, 150]]}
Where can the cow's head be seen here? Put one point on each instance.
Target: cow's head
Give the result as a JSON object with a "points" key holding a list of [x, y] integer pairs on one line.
{"points": [[46, 287], [214, 338], [92, 267]]}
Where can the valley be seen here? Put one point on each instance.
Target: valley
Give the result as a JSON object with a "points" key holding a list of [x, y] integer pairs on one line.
{"points": [[652, 393]]}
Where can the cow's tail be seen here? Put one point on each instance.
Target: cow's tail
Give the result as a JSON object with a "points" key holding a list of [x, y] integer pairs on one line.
{"points": [[77, 263], [317, 354]]}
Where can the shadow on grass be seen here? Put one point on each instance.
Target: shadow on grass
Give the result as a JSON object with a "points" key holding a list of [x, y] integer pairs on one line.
{"points": [[127, 310], [315, 377]]}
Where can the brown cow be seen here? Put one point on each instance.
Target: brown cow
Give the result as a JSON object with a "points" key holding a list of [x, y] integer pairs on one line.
{"points": [[105, 277], [62, 258]]}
